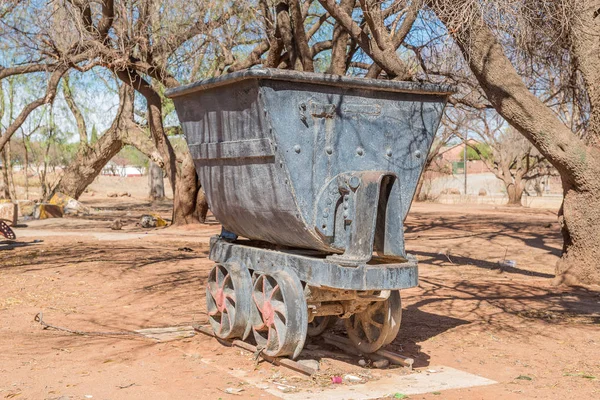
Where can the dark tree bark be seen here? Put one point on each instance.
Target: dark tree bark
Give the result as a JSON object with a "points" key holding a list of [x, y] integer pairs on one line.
{"points": [[156, 182]]}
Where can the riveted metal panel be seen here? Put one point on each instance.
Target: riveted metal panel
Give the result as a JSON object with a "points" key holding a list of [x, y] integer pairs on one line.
{"points": [[267, 143]]}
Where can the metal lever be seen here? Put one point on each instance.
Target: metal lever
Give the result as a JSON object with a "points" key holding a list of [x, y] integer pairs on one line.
{"points": [[359, 244]]}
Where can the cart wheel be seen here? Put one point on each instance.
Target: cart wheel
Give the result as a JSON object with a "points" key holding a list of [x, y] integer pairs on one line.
{"points": [[369, 330], [281, 318], [320, 325], [396, 316], [228, 292]]}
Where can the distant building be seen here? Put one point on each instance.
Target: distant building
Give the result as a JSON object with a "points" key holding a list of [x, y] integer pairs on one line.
{"points": [[451, 160]]}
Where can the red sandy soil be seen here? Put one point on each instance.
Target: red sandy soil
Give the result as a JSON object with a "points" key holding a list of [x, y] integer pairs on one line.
{"points": [[507, 324]]}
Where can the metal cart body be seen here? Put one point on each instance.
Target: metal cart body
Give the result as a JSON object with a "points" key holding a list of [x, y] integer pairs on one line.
{"points": [[318, 172]]}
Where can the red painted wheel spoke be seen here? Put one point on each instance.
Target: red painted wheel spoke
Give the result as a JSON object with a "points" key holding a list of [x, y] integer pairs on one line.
{"points": [[213, 288]]}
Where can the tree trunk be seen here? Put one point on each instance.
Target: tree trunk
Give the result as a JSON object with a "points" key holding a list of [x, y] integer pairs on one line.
{"points": [[4, 193], [88, 164], [7, 192], [578, 217], [417, 196], [201, 205], [91, 159], [515, 194], [183, 178], [188, 205], [156, 182]]}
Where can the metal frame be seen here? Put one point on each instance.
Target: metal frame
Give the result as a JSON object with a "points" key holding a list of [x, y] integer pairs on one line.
{"points": [[317, 271]]}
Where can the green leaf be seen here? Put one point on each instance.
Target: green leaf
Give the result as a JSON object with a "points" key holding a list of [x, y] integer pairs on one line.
{"points": [[524, 378], [400, 396], [580, 374]]}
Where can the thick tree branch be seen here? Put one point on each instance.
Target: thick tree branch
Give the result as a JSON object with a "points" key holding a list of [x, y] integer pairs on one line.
{"points": [[340, 42], [25, 69], [300, 36], [388, 60]]}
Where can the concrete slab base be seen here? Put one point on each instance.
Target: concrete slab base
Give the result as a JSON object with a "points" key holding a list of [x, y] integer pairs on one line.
{"points": [[419, 382]]}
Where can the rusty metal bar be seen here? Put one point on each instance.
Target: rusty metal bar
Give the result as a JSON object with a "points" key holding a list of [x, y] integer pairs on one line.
{"points": [[293, 365], [346, 345]]}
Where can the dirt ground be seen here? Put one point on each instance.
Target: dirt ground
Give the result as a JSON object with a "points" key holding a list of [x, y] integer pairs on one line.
{"points": [[507, 324]]}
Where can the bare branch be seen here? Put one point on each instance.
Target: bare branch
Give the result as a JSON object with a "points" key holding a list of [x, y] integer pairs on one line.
{"points": [[47, 98], [81, 128]]}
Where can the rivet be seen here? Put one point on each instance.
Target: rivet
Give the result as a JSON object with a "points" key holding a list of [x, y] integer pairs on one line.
{"points": [[297, 148], [325, 215], [328, 150], [418, 154], [286, 181], [354, 182], [388, 152], [345, 214], [329, 201], [360, 151], [346, 206]]}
